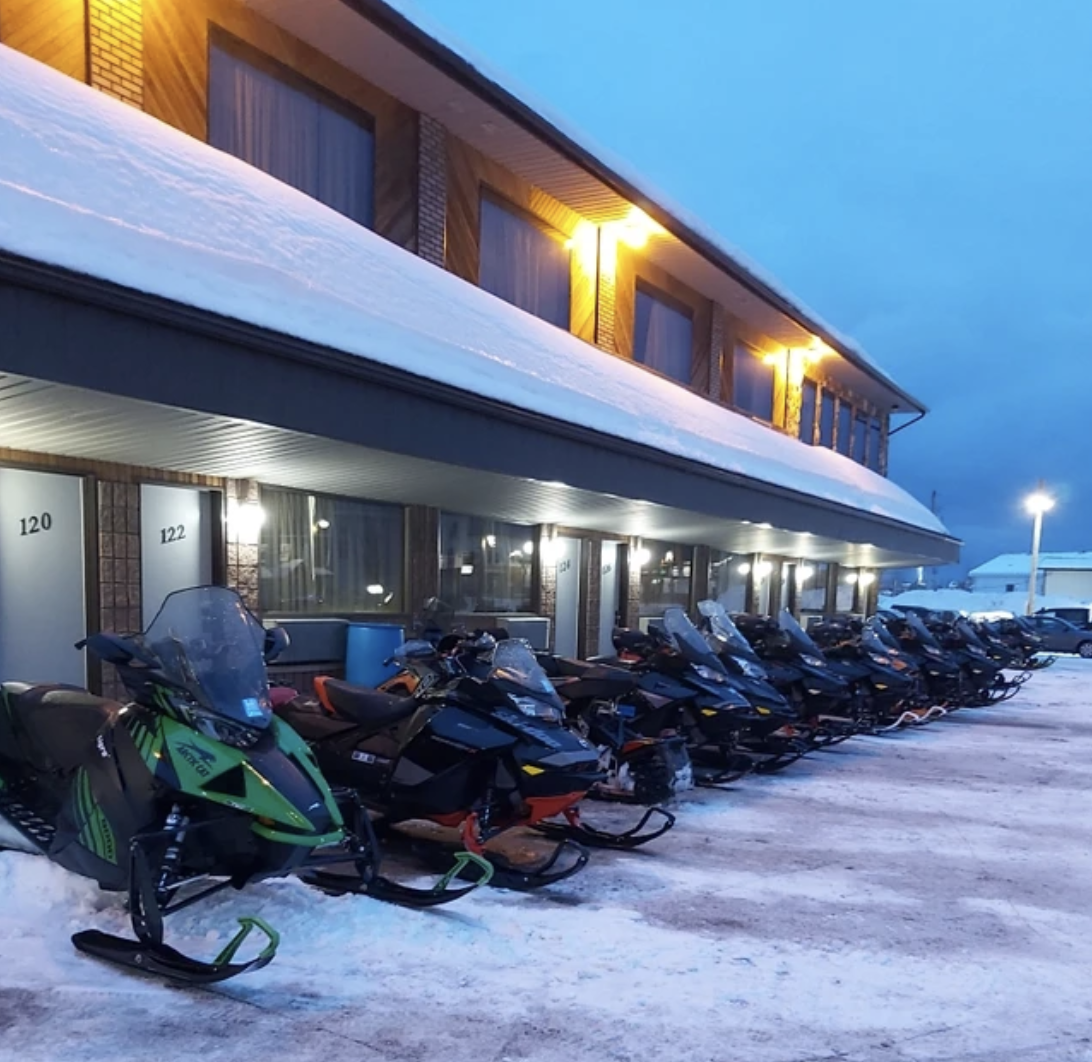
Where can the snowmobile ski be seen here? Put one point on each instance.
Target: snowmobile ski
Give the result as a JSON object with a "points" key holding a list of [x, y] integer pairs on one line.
{"points": [[575, 829]]}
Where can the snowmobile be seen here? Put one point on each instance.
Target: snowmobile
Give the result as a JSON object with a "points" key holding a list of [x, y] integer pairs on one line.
{"points": [[482, 749], [192, 788], [685, 688], [945, 683], [600, 705], [1024, 640], [889, 686], [984, 678], [796, 667]]}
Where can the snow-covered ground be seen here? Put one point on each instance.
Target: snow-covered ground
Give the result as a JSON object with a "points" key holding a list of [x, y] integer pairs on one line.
{"points": [[922, 896]]}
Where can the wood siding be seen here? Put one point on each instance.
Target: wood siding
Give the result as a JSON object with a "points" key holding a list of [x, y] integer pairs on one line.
{"points": [[633, 267], [176, 51], [469, 172], [51, 31]]}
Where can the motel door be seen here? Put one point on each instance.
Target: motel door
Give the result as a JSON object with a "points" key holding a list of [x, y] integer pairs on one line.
{"points": [[608, 596], [567, 611], [175, 543], [42, 585]]}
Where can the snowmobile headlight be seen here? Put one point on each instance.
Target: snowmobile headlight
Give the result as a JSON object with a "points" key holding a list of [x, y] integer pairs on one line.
{"points": [[537, 709], [224, 730], [814, 661], [752, 670], [932, 650], [877, 659], [708, 673]]}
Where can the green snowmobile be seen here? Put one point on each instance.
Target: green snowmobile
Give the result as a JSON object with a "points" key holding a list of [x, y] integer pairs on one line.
{"points": [[192, 788]]}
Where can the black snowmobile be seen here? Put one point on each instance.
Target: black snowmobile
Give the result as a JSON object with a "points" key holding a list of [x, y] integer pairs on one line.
{"points": [[478, 747], [944, 680], [192, 788], [984, 677], [1024, 640], [685, 688]]}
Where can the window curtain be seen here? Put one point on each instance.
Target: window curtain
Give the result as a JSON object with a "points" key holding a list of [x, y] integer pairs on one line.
{"points": [[485, 565], [524, 265], [291, 135], [809, 398], [665, 577], [752, 384], [663, 338], [330, 555], [727, 584]]}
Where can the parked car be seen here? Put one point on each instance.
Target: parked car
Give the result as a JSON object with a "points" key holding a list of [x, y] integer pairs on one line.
{"points": [[1080, 616], [1061, 636]]}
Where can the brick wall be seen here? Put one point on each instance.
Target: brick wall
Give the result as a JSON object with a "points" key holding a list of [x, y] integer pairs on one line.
{"points": [[115, 32], [606, 302], [431, 190], [119, 567], [242, 552], [592, 584], [716, 351]]}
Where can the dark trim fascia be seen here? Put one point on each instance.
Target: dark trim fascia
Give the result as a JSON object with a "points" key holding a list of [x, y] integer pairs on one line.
{"points": [[411, 36], [79, 288]]}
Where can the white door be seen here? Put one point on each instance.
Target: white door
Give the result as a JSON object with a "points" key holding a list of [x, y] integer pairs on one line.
{"points": [[567, 613], [42, 591], [175, 543], [608, 597]]}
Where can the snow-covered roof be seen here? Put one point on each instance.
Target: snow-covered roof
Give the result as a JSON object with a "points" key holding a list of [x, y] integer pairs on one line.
{"points": [[1020, 563], [675, 217], [977, 601], [94, 186]]}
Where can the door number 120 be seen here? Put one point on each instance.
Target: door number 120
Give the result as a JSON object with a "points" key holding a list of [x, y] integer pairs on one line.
{"points": [[35, 525]]}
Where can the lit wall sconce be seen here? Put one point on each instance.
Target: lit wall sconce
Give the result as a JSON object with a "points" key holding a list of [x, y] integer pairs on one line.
{"points": [[744, 569], [867, 578], [244, 522], [642, 556], [763, 569], [804, 572]]}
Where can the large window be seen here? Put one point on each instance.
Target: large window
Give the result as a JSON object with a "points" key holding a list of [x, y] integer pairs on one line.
{"points": [[663, 334], [752, 384], [329, 555], [485, 565], [826, 421], [811, 588], [728, 574], [266, 115], [809, 399], [845, 428], [665, 577], [524, 262]]}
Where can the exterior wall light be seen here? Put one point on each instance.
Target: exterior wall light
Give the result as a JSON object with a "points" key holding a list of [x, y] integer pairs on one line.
{"points": [[244, 522]]}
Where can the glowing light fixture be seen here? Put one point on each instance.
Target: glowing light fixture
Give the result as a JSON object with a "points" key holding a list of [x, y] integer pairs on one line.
{"points": [[763, 569], [744, 569], [244, 521], [528, 547], [376, 590], [642, 557], [867, 578], [804, 572], [1036, 503], [322, 524]]}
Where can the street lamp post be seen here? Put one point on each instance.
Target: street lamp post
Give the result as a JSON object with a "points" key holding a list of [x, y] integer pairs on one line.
{"points": [[1037, 503]]}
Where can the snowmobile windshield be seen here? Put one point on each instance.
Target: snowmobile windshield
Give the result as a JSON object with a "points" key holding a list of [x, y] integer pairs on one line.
{"points": [[802, 642], [209, 644], [917, 625], [964, 626], [725, 631], [689, 640], [878, 629], [874, 642], [514, 665]]}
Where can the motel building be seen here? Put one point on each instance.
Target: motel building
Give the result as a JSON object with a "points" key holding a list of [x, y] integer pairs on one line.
{"points": [[297, 298]]}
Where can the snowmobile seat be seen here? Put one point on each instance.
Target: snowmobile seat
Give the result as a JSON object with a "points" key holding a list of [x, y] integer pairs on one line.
{"points": [[368, 708], [56, 726], [598, 683]]}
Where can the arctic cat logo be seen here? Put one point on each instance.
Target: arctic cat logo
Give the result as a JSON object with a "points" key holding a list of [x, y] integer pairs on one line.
{"points": [[197, 757]]}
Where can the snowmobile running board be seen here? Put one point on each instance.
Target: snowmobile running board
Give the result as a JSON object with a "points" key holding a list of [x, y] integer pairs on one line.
{"points": [[508, 874], [576, 830]]}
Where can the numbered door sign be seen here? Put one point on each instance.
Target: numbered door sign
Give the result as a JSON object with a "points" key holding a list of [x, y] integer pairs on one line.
{"points": [[42, 587], [175, 543]]}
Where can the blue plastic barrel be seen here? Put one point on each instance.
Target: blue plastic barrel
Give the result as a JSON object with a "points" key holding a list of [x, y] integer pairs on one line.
{"points": [[367, 646]]}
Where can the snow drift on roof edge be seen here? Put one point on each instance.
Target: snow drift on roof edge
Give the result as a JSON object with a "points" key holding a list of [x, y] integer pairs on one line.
{"points": [[93, 185], [410, 10]]}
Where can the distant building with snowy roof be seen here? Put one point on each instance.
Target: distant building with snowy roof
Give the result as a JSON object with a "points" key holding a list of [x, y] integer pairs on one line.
{"points": [[320, 307], [1060, 574]]}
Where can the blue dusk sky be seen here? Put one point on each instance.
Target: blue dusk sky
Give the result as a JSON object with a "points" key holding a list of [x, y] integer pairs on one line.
{"points": [[919, 172]]}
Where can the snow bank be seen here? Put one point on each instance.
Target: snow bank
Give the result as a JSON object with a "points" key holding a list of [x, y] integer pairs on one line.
{"points": [[978, 601], [92, 185]]}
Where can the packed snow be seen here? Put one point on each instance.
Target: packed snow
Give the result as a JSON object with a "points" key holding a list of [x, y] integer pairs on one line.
{"points": [[92, 185], [923, 896]]}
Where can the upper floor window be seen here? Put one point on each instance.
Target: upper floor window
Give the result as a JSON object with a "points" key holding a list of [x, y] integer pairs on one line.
{"points": [[809, 399], [826, 421], [860, 437], [270, 117], [663, 334], [875, 443], [752, 384], [524, 262], [845, 428]]}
